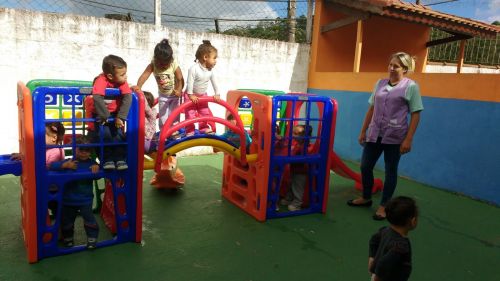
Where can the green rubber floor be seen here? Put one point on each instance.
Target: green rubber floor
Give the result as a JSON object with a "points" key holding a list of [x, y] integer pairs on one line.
{"points": [[195, 234]]}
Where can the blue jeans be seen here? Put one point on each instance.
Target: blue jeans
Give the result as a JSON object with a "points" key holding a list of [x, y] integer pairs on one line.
{"points": [[110, 134], [371, 153], [68, 217]]}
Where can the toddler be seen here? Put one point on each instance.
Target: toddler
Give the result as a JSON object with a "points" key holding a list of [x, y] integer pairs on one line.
{"points": [[199, 75], [390, 249], [233, 137], [99, 107], [78, 196], [150, 122], [169, 78]]}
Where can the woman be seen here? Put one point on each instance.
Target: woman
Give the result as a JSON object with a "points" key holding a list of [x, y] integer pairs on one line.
{"points": [[388, 130]]}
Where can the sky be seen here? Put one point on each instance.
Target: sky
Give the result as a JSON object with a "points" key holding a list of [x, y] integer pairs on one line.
{"points": [[483, 10]]}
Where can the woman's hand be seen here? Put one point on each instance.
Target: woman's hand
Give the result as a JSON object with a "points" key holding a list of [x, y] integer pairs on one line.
{"points": [[405, 146], [362, 138]]}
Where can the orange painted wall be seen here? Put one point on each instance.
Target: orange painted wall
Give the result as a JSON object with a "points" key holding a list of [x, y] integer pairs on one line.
{"points": [[331, 64]]}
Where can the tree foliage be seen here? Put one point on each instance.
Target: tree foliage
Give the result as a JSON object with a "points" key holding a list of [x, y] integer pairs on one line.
{"points": [[272, 30]]}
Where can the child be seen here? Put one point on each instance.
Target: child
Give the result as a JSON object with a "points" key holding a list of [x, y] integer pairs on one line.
{"points": [[169, 78], [197, 83], [232, 136], [78, 196], [298, 171], [97, 106], [390, 249], [150, 122]]}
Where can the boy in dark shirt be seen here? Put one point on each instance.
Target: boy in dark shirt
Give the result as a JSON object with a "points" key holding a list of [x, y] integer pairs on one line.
{"points": [[390, 249], [114, 75]]}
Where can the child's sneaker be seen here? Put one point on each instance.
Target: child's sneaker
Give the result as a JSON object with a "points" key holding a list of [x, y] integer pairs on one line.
{"points": [[190, 134], [68, 242], [293, 208], [91, 243], [110, 165], [121, 165], [285, 202]]}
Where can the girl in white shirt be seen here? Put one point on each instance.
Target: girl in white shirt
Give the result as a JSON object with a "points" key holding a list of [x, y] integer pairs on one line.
{"points": [[199, 75]]}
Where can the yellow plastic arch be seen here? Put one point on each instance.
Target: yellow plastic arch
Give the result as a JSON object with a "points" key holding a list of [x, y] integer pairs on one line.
{"points": [[221, 145]]}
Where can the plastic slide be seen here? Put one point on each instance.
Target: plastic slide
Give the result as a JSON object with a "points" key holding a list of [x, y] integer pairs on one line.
{"points": [[341, 169]]}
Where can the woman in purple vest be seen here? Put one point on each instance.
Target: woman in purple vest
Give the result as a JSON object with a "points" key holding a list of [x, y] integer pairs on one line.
{"points": [[391, 102]]}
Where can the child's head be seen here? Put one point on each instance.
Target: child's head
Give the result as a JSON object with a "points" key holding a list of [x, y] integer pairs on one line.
{"points": [[54, 133], [163, 56], [115, 69], [301, 131], [149, 98], [402, 211], [83, 153], [231, 119], [207, 54]]}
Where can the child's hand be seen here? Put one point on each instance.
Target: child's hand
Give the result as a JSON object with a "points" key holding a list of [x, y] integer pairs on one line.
{"points": [[15, 156], [370, 263], [217, 98], [193, 98], [136, 89], [177, 93], [70, 164], [119, 123], [94, 168]]}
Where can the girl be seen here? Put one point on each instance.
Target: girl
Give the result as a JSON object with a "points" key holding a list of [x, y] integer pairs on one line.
{"points": [[168, 76], [150, 122], [197, 83]]}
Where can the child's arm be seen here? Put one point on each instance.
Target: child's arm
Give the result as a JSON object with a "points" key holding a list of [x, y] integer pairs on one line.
{"points": [[179, 82], [94, 168], [100, 108], [145, 75], [190, 85], [123, 110], [372, 249], [61, 165], [215, 86]]}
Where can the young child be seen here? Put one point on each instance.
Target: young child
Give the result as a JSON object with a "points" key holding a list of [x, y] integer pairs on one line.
{"points": [[78, 196], [150, 122], [114, 75], [169, 78], [232, 136], [298, 171], [199, 75], [390, 249]]}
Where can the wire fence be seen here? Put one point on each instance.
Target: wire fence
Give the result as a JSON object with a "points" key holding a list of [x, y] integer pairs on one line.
{"points": [[224, 16], [477, 50]]}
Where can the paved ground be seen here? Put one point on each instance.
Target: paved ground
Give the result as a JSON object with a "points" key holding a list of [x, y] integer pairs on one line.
{"points": [[194, 234]]}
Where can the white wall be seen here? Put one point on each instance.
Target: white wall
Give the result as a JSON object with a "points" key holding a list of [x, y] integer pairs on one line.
{"points": [[53, 46]]}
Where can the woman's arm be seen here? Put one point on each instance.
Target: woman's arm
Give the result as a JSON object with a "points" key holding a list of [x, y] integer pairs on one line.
{"points": [[145, 75], [412, 128], [366, 122]]}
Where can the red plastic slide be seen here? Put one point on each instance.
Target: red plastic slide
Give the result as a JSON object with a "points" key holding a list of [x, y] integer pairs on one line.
{"points": [[341, 169]]}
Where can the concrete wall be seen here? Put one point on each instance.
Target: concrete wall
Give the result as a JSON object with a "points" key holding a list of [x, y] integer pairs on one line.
{"points": [[53, 46]]}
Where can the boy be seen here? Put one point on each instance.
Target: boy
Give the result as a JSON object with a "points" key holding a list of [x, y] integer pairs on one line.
{"points": [[78, 196], [114, 75], [390, 249], [233, 137], [298, 171]]}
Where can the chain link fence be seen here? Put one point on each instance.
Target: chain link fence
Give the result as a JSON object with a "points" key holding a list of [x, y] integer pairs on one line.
{"points": [[478, 51], [262, 19]]}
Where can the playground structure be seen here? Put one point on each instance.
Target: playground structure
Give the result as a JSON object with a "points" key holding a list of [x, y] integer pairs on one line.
{"points": [[253, 177]]}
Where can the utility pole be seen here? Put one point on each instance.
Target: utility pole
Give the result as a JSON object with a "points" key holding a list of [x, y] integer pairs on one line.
{"points": [[157, 13], [292, 7]]}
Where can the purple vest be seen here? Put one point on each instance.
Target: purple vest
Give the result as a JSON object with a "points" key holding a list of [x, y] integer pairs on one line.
{"points": [[390, 115]]}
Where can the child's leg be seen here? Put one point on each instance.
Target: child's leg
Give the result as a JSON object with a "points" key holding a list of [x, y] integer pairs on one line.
{"points": [[166, 106], [298, 186], [203, 110], [191, 113], [89, 221], [103, 133], [68, 217], [119, 151]]}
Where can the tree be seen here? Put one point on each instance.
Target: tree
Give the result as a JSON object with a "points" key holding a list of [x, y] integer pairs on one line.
{"points": [[272, 30]]}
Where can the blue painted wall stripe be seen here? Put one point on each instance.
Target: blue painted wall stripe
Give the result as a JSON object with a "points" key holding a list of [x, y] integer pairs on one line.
{"points": [[456, 146]]}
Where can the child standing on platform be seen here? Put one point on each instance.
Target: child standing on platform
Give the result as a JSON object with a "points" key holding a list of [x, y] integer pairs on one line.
{"points": [[150, 122], [169, 78], [78, 196], [199, 75], [294, 196], [98, 106], [390, 248]]}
